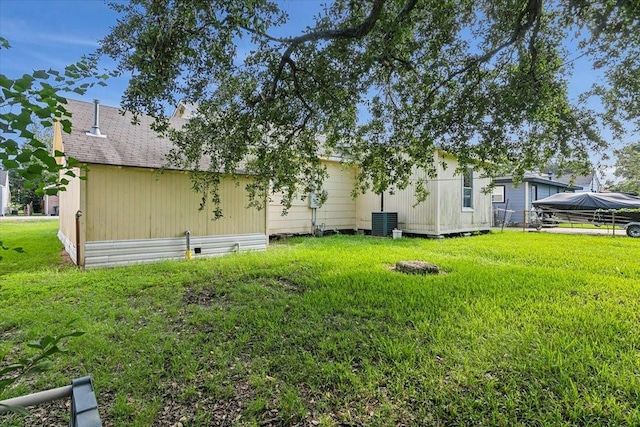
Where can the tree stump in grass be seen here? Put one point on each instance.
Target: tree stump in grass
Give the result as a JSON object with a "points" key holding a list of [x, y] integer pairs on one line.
{"points": [[417, 267]]}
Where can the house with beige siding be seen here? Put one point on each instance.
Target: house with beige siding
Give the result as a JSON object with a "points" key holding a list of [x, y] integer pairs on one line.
{"points": [[126, 205], [338, 212], [457, 203]]}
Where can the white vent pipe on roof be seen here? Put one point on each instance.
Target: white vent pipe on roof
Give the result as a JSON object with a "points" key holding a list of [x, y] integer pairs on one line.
{"points": [[95, 130]]}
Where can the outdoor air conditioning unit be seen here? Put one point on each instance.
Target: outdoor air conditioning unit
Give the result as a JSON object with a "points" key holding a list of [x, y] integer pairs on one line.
{"points": [[383, 223]]}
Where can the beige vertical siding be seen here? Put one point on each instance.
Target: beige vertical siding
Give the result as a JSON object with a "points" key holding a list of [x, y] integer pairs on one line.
{"points": [[365, 204], [296, 221], [337, 213], [441, 212], [134, 203], [69, 205], [453, 217], [420, 218]]}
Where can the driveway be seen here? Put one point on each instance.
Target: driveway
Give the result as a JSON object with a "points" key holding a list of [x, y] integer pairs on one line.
{"points": [[602, 231], [27, 218]]}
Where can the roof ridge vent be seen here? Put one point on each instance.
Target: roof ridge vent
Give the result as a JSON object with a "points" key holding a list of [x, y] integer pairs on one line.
{"points": [[95, 130]]}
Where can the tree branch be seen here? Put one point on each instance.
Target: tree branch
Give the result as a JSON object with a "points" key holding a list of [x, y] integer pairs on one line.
{"points": [[265, 35], [408, 7], [531, 12], [356, 32], [296, 85]]}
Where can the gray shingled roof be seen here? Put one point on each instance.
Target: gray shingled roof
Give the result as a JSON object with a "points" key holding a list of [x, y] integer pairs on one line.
{"points": [[125, 144], [539, 178]]}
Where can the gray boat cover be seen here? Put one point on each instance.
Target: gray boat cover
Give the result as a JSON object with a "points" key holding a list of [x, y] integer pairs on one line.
{"points": [[587, 201]]}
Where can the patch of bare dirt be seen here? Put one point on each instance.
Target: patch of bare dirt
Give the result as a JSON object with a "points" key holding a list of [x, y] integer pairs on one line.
{"points": [[176, 412], [204, 297], [52, 414], [65, 259], [7, 333]]}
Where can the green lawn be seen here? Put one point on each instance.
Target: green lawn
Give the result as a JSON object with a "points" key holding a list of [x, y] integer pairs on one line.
{"points": [[520, 329], [36, 237]]}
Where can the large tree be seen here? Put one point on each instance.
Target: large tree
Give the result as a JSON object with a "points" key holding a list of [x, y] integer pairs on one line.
{"points": [[627, 167], [385, 82]]}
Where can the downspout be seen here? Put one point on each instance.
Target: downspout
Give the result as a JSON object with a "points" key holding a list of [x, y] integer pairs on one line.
{"points": [[78, 250]]}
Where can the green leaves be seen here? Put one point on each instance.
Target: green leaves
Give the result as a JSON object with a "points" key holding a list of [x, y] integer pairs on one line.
{"points": [[5, 82], [10, 164], [29, 106], [627, 167], [15, 409], [382, 84], [46, 347]]}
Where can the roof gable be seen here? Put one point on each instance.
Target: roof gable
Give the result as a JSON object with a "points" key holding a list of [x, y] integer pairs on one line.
{"points": [[125, 144]]}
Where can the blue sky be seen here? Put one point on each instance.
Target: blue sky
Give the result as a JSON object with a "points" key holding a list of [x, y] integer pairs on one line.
{"points": [[53, 33]]}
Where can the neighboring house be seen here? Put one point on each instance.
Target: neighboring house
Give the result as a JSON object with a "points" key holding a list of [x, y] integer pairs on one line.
{"points": [[184, 110], [128, 210], [589, 183], [534, 186], [51, 204], [456, 204], [5, 193]]}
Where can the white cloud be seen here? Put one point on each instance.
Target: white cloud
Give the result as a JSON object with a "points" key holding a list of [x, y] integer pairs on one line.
{"points": [[18, 31], [68, 39]]}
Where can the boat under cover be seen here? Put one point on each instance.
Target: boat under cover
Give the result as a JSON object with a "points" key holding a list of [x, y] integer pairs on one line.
{"points": [[599, 208], [589, 201]]}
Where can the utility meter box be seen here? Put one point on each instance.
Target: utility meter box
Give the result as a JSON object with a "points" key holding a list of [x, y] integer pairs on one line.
{"points": [[315, 199]]}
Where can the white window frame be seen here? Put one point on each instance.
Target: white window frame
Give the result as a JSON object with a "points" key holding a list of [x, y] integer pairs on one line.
{"points": [[497, 196], [467, 189]]}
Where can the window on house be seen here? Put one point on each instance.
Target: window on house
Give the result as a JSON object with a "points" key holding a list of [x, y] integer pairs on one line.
{"points": [[498, 194], [467, 188]]}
